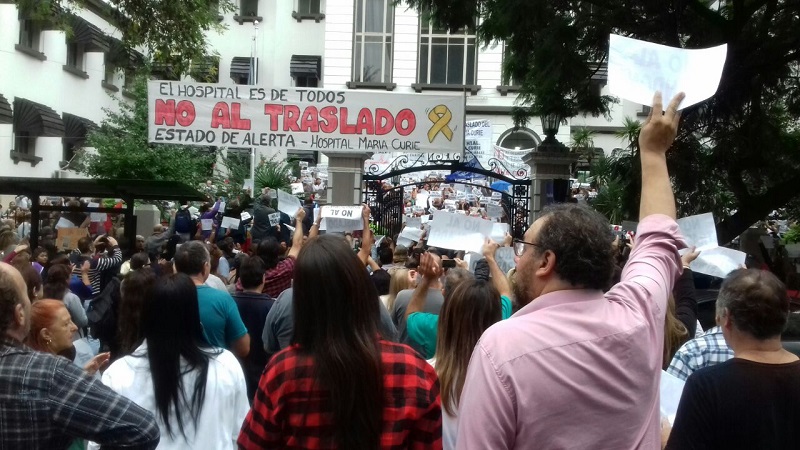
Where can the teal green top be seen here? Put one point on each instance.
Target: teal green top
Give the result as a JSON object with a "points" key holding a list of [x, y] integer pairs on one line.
{"points": [[423, 328]]}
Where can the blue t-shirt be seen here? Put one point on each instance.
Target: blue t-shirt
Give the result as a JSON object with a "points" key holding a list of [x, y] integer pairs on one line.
{"points": [[220, 317], [423, 328]]}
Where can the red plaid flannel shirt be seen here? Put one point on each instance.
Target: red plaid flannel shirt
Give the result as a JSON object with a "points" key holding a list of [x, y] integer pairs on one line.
{"points": [[289, 412], [277, 279]]}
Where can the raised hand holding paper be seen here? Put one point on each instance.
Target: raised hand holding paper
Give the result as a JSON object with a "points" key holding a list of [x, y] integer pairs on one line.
{"points": [[288, 203], [699, 231], [341, 218], [637, 68]]}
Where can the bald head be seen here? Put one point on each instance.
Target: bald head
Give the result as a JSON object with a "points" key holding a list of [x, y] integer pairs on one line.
{"points": [[14, 303]]}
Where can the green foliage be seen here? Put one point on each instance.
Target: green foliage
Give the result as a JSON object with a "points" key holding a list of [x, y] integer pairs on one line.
{"points": [[273, 174], [748, 130], [792, 236], [173, 31], [122, 150]]}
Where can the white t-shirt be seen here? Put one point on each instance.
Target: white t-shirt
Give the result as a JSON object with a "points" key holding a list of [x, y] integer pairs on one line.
{"points": [[449, 423], [224, 408], [216, 282]]}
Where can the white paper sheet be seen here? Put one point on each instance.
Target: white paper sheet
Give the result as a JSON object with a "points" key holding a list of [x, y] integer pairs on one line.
{"points": [[288, 203], [718, 262], [206, 224], [97, 217], [637, 69], [414, 222], [414, 234], [274, 219], [671, 391], [248, 184], [297, 188], [499, 231], [699, 231], [457, 232], [63, 222], [338, 225], [494, 211], [230, 222], [342, 212], [245, 216]]}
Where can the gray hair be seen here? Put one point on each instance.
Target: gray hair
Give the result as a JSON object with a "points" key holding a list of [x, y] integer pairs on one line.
{"points": [[756, 301]]}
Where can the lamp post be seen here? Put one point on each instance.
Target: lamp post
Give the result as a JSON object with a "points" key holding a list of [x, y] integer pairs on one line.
{"points": [[550, 124]]}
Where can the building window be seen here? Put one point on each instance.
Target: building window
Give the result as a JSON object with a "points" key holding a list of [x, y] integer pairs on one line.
{"points": [[24, 143], [29, 34], [110, 73], [308, 7], [372, 46], [75, 53], [244, 70], [248, 8], [507, 79], [444, 57], [518, 139], [306, 81]]}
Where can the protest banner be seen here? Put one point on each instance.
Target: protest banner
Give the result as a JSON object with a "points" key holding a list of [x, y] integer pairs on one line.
{"points": [[478, 141], [699, 231], [637, 69], [339, 219], [288, 203], [230, 223], [206, 224], [304, 118], [67, 238], [457, 232], [274, 219]]}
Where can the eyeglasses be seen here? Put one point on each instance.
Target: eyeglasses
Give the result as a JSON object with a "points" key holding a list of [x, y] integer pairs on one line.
{"points": [[519, 246]]}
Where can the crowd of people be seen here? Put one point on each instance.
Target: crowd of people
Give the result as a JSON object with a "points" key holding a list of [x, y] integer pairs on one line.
{"points": [[293, 338]]}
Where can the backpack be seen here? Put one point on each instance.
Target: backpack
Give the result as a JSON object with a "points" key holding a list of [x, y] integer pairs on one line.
{"points": [[102, 312], [183, 221]]}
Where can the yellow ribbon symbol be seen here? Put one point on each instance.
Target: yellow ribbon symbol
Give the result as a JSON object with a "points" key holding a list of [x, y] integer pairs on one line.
{"points": [[440, 116]]}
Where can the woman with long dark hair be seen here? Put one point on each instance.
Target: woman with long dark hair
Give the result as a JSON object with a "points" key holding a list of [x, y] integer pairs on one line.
{"points": [[135, 292], [198, 393], [339, 385]]}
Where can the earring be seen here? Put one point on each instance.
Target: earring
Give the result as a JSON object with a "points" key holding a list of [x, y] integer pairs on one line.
{"points": [[48, 342]]}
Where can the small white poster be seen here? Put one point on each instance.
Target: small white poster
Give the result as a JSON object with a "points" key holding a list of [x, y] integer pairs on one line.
{"points": [[97, 217], [245, 216], [699, 231], [274, 219], [718, 262], [637, 69], [297, 188], [288, 203], [206, 224], [230, 222], [457, 232]]}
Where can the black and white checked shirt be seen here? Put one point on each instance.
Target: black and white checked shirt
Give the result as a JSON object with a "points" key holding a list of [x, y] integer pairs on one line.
{"points": [[47, 402]]}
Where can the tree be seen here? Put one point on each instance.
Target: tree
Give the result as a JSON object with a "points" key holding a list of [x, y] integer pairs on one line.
{"points": [[172, 32], [583, 145], [743, 141], [122, 150]]}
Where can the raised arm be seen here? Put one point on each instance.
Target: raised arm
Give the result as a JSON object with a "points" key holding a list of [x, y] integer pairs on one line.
{"points": [[429, 270], [499, 279], [297, 239], [314, 231], [367, 239], [658, 133]]}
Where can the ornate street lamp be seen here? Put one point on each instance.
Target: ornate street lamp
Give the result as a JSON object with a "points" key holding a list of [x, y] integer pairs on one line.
{"points": [[550, 124]]}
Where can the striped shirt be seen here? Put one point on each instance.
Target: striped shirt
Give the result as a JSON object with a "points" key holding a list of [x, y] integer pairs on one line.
{"points": [[707, 350], [96, 266]]}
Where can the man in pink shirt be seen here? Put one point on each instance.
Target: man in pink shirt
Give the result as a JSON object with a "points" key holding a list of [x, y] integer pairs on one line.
{"points": [[577, 368]]}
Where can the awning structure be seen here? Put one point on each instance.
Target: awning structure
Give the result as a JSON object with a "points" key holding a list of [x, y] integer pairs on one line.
{"points": [[36, 119], [89, 35], [74, 187], [241, 66], [76, 128], [5, 111], [306, 66], [121, 56]]}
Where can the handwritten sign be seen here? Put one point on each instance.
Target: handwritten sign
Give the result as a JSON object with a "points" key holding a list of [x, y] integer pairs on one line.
{"points": [[274, 219], [288, 203], [245, 216], [338, 219], [699, 231], [206, 224], [230, 222], [67, 238], [457, 232], [297, 188], [637, 69]]}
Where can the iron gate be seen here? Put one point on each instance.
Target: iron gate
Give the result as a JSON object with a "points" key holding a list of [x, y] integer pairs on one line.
{"points": [[387, 200]]}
